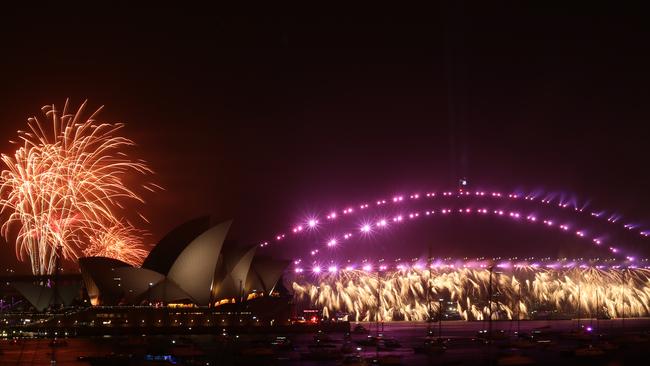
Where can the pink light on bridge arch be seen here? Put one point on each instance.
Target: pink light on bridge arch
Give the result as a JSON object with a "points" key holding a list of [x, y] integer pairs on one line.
{"points": [[571, 204]]}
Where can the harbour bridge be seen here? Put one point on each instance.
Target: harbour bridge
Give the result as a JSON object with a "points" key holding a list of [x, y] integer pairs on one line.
{"points": [[370, 285]]}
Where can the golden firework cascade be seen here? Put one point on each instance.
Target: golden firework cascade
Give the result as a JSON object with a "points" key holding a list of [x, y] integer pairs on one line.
{"points": [[65, 187], [516, 294]]}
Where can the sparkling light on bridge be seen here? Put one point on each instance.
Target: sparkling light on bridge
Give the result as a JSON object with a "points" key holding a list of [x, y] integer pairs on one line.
{"points": [[490, 203]]}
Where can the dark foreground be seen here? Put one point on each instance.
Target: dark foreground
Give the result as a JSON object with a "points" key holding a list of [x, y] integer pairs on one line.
{"points": [[588, 342]]}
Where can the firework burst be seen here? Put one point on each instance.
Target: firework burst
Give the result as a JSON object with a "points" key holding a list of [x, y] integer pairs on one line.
{"points": [[65, 185], [121, 242]]}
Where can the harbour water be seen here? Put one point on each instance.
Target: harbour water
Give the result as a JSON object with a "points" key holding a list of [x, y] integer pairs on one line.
{"points": [[568, 342]]}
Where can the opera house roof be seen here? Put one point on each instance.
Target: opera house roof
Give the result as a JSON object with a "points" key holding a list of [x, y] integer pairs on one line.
{"points": [[193, 263]]}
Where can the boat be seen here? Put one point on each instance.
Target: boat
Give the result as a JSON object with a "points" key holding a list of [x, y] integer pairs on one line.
{"points": [[431, 346], [387, 343], [368, 341], [496, 335], [281, 343]]}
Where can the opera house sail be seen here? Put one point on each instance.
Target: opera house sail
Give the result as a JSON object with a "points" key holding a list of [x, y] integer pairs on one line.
{"points": [[193, 264]]}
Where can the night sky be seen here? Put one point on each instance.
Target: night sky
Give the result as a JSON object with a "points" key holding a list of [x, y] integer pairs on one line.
{"points": [[269, 115]]}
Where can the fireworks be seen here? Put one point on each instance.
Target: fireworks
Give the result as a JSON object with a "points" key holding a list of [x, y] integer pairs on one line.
{"points": [[119, 242], [517, 293], [64, 187]]}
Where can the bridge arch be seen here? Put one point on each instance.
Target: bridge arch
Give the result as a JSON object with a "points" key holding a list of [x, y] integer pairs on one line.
{"points": [[552, 211]]}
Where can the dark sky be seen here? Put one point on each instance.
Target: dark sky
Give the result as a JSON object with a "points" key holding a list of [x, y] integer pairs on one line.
{"points": [[266, 114]]}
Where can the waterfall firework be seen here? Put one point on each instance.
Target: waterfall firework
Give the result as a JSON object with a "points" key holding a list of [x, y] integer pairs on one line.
{"points": [[516, 293], [65, 187]]}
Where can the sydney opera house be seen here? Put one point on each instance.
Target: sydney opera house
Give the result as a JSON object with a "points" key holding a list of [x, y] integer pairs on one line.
{"points": [[193, 265]]}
